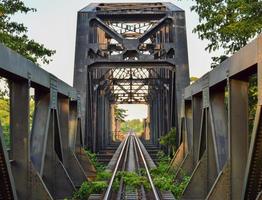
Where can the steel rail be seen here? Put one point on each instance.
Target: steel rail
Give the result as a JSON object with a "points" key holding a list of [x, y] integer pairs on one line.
{"points": [[122, 190], [121, 187], [109, 188], [138, 166], [147, 171]]}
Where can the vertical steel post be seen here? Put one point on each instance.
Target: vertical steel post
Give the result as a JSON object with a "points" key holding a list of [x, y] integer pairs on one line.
{"points": [[19, 131], [238, 133], [181, 61]]}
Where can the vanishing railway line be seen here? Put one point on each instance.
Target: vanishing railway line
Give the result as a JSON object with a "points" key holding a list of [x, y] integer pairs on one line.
{"points": [[132, 159], [133, 53]]}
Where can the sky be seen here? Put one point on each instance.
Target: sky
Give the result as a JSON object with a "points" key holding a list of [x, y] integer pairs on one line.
{"points": [[54, 25]]}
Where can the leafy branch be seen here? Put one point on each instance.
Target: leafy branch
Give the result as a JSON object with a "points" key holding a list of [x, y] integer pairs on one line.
{"points": [[13, 34]]}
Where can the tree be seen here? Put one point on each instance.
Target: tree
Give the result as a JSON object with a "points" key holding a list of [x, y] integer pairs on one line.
{"points": [[135, 125], [193, 79], [252, 102], [229, 24], [120, 114], [13, 34], [5, 119], [169, 140]]}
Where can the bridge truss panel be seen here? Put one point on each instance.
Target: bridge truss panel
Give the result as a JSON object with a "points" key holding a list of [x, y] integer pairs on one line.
{"points": [[130, 53]]}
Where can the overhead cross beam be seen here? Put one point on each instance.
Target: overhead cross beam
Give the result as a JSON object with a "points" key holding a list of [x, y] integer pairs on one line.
{"points": [[107, 29], [131, 53], [154, 29], [132, 82]]}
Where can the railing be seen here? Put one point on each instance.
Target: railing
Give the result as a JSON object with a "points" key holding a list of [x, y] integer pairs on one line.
{"points": [[47, 161], [214, 143], [215, 147]]}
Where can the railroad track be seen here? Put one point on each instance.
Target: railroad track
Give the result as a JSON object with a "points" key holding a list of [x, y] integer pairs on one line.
{"points": [[132, 159]]}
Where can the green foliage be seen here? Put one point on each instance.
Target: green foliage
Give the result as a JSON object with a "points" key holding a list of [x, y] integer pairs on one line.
{"points": [[193, 79], [133, 180], [31, 110], [135, 125], [119, 113], [162, 169], [97, 186], [162, 173], [88, 188], [179, 187], [4, 88], [218, 60], [92, 156], [252, 101], [169, 140], [13, 34], [162, 158], [228, 24], [163, 177], [83, 192], [5, 119], [103, 175]]}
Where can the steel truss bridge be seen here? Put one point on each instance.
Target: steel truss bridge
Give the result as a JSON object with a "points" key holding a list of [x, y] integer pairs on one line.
{"points": [[132, 53]]}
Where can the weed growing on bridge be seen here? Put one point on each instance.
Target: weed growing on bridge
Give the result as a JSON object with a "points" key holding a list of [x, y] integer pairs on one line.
{"points": [[88, 188], [92, 156], [133, 180], [180, 186], [169, 140], [164, 177], [97, 186]]}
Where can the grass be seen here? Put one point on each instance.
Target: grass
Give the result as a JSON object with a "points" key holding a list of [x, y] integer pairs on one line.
{"points": [[97, 186], [163, 178]]}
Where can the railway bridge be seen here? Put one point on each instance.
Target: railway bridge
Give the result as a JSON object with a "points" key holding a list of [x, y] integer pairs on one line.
{"points": [[133, 53]]}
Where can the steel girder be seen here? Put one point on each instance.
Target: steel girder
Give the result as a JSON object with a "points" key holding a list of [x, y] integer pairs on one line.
{"points": [[215, 149], [48, 161], [7, 186], [135, 55]]}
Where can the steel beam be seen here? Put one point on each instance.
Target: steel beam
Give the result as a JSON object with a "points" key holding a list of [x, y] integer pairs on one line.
{"points": [[155, 28], [19, 133], [103, 64], [221, 188], [241, 62], [251, 188], [107, 29], [7, 184], [198, 177], [238, 133], [70, 160], [13, 65], [181, 60]]}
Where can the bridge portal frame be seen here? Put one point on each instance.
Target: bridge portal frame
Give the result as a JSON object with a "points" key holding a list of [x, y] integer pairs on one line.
{"points": [[91, 64]]}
